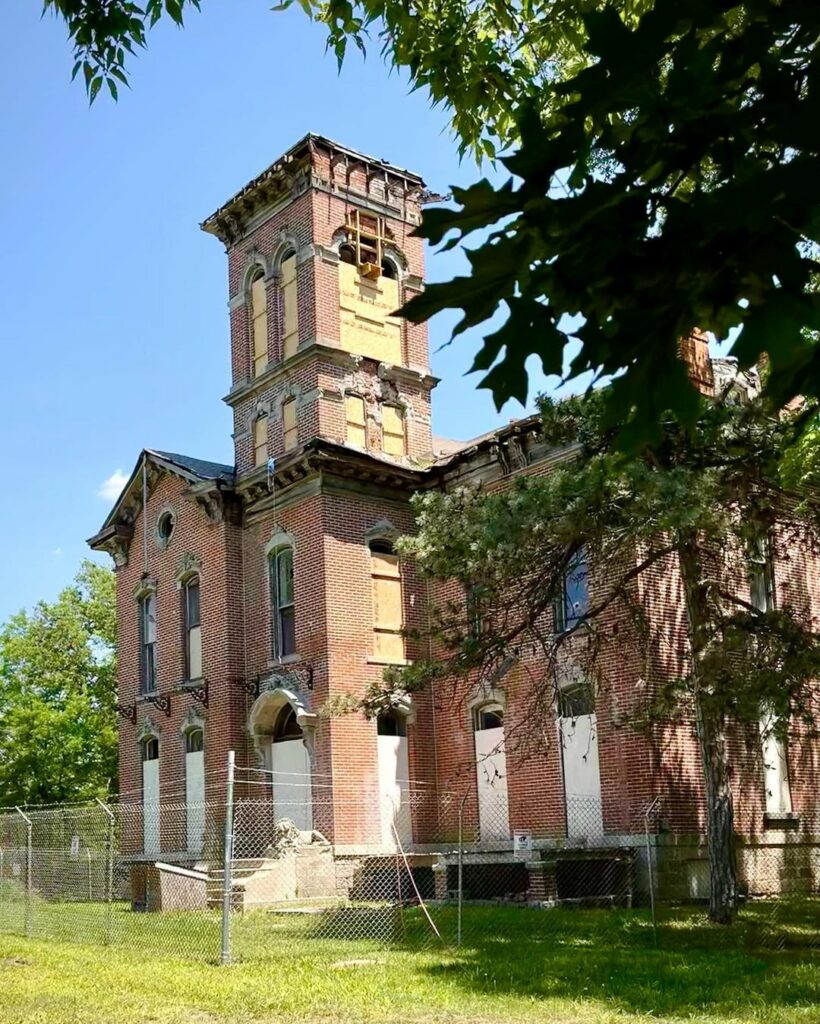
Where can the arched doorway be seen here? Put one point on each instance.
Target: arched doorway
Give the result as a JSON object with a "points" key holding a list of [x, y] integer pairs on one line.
{"points": [[394, 778], [491, 772], [282, 729], [578, 734]]}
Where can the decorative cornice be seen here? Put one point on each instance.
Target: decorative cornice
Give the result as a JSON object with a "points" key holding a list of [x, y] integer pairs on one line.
{"points": [[116, 541]]}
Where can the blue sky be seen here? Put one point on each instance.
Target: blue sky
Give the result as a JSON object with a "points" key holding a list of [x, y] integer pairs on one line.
{"points": [[113, 320]]}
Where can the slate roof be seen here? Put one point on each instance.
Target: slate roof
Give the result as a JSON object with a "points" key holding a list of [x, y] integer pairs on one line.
{"points": [[199, 467]]}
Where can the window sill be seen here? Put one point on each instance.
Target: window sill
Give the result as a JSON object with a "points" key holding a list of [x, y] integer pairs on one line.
{"points": [[191, 684], [401, 662], [289, 659], [147, 696], [786, 821]]}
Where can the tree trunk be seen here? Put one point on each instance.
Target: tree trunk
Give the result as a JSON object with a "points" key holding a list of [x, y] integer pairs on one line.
{"points": [[720, 816]]}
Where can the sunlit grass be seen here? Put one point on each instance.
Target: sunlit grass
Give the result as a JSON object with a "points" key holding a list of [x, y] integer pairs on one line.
{"points": [[589, 966]]}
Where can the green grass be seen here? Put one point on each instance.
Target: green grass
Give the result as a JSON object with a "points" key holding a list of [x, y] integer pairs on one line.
{"points": [[563, 966]]}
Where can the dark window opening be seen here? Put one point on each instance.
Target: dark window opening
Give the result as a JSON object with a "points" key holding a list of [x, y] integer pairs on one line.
{"points": [[572, 604], [194, 741], [389, 270], [165, 527], [287, 725], [391, 723], [577, 700], [150, 749], [491, 716], [347, 254]]}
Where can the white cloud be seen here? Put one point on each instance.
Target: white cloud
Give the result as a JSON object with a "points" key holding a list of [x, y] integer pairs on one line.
{"points": [[111, 487]]}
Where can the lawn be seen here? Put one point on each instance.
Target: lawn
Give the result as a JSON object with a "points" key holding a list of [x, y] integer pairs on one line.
{"points": [[586, 966]]}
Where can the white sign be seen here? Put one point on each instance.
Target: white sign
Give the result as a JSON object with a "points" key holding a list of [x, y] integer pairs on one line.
{"points": [[75, 847], [522, 842]]}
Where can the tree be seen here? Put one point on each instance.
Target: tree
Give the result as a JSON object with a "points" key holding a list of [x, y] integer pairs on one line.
{"points": [[58, 724], [102, 32], [697, 509], [668, 186], [665, 179]]}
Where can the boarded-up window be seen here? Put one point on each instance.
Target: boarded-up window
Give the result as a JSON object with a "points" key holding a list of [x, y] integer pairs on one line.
{"points": [[290, 306], [356, 420], [259, 321], [260, 441], [289, 424], [393, 430], [193, 629], [388, 617]]}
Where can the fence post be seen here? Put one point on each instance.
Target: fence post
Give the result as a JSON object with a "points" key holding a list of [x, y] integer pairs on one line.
{"points": [[460, 869], [109, 874], [649, 859], [227, 865], [27, 820]]}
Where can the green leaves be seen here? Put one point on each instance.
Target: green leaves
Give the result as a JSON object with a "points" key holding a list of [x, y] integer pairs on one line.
{"points": [[691, 203], [104, 31], [58, 726]]}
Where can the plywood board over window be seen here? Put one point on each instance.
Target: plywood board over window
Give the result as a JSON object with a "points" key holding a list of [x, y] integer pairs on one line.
{"points": [[290, 305], [388, 616], [259, 316], [356, 420], [393, 441], [365, 324], [291, 433], [260, 440]]}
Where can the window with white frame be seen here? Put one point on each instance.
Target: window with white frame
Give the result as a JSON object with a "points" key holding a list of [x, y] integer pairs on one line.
{"points": [[193, 628], [148, 642], [572, 602], [282, 605]]}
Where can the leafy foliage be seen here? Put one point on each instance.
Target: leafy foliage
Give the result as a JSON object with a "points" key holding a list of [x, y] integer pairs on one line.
{"points": [[104, 31], [676, 525], [58, 726], [668, 186]]}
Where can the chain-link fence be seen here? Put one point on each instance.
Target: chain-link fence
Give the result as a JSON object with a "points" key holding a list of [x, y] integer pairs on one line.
{"points": [[285, 862]]}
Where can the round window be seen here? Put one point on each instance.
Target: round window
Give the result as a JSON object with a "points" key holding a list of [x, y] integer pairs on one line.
{"points": [[165, 528]]}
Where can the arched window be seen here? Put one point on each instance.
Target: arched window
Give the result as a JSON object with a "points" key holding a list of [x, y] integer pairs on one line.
{"points": [[260, 440], [393, 439], [290, 307], [150, 748], [148, 643], [572, 604], [576, 699], [389, 270], [391, 723], [283, 621], [286, 726], [356, 420], [194, 741], [347, 254], [289, 425], [193, 628], [388, 614], [259, 323], [488, 716]]}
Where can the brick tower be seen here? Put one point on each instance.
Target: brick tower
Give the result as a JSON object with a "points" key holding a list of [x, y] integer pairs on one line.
{"points": [[331, 402]]}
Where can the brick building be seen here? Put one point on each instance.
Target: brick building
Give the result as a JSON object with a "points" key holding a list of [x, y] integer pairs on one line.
{"points": [[251, 595]]}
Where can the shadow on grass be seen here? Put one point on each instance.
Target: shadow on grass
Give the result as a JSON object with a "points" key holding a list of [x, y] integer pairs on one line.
{"points": [[611, 957]]}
